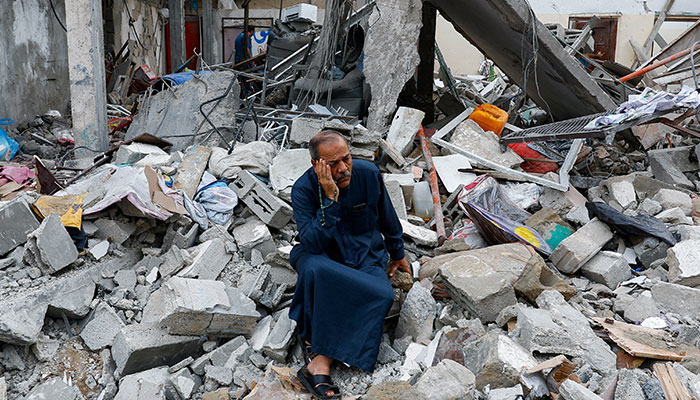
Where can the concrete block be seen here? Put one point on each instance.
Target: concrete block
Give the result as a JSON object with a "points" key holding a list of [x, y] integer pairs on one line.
{"points": [[173, 261], [446, 380], [668, 165], [575, 326], [54, 389], [44, 349], [629, 384], [114, 231], [254, 234], [418, 234], [678, 299], [126, 279], [261, 332], [17, 221], [471, 137], [71, 295], [201, 307], [621, 190], [181, 233], [146, 385], [506, 393], [570, 390], [102, 328], [259, 285], [608, 268], [182, 384], [235, 347], [395, 192], [404, 128], [641, 308], [669, 198], [484, 296], [417, 314], [496, 360], [649, 207], [21, 319], [286, 168], [221, 375], [537, 332], [280, 338], [538, 277], [581, 246], [269, 208], [578, 215], [140, 347], [208, 260], [50, 247], [683, 262]]}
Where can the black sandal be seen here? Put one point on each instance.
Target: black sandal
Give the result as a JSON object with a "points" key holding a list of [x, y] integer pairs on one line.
{"points": [[318, 385], [306, 350]]}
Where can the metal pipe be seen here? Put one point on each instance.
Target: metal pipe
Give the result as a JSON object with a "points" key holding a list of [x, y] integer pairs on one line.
{"points": [[437, 205], [658, 64]]}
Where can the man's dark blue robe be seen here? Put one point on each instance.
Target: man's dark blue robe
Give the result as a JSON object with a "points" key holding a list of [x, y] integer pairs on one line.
{"points": [[343, 293]]}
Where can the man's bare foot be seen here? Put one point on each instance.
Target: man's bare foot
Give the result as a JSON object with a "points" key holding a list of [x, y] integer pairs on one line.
{"points": [[321, 365]]}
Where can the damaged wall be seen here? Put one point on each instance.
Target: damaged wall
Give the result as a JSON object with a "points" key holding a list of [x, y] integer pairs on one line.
{"points": [[391, 55], [149, 47], [33, 59]]}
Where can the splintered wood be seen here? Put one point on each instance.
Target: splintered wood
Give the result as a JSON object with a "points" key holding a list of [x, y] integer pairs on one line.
{"points": [[630, 338], [672, 386]]}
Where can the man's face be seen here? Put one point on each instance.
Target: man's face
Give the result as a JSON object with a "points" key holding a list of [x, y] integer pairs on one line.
{"points": [[337, 156]]}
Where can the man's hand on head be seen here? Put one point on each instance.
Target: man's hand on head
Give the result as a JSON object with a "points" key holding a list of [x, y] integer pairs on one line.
{"points": [[325, 178], [401, 264]]}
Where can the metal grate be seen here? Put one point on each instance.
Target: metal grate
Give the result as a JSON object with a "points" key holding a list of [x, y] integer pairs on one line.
{"points": [[568, 129]]}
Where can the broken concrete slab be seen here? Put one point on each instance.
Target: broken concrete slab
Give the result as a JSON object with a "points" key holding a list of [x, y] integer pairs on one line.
{"points": [[280, 338], [54, 389], [139, 347], [393, 189], [418, 234], [608, 268], [182, 384], [677, 299], [45, 349], [484, 296], [200, 307], [404, 128], [471, 137], [50, 247], [209, 259], [254, 234], [71, 295], [641, 308], [506, 393], [146, 385], [22, 319], [261, 332], [114, 231], [683, 262], [570, 390], [17, 221], [629, 384], [133, 152], [507, 259], [537, 277], [669, 198], [417, 314], [102, 328], [537, 332], [621, 191], [581, 246], [259, 285], [496, 360], [286, 168], [268, 207], [446, 380], [668, 165], [190, 171]]}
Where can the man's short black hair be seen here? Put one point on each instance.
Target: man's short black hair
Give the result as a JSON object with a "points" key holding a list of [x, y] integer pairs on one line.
{"points": [[325, 136], [251, 28]]}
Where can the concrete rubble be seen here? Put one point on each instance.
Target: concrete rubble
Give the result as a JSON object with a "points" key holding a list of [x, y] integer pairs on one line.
{"points": [[161, 268]]}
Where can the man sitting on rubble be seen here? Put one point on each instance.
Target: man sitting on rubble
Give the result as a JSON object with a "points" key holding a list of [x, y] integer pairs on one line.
{"points": [[342, 296]]}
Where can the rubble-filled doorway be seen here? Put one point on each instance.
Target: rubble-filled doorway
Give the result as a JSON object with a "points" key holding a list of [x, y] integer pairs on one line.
{"points": [[604, 35]]}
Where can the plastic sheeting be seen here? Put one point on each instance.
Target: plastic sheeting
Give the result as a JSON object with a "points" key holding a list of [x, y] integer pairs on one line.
{"points": [[256, 157], [639, 225], [8, 146]]}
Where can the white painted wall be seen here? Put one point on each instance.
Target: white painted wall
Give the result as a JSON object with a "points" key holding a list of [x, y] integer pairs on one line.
{"points": [[635, 21]]}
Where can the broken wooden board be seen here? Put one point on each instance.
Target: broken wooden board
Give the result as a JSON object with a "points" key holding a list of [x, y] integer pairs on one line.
{"points": [[640, 341], [189, 174], [670, 383], [625, 360]]}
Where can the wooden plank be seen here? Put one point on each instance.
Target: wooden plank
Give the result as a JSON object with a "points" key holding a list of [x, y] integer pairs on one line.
{"points": [[586, 32], [392, 153], [657, 26], [670, 383], [624, 335]]}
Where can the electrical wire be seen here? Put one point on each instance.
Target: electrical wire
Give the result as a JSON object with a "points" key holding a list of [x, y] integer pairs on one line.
{"points": [[131, 25], [56, 15], [60, 161]]}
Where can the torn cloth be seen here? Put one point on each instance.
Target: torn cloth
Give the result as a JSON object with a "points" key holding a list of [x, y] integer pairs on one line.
{"points": [[19, 175], [214, 201]]}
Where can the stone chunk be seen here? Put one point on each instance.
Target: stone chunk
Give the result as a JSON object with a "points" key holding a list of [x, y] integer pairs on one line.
{"points": [[50, 247], [140, 347], [629, 384], [570, 390], [286, 168], [396, 196], [201, 307], [580, 247], [17, 221], [221, 375], [641, 308], [608, 268], [21, 320], [131, 153], [537, 277], [254, 234], [446, 380], [102, 328], [268, 207], [261, 332], [484, 296], [182, 384], [280, 338], [496, 360], [54, 389], [621, 190], [44, 349], [512, 393], [404, 128], [417, 314], [71, 295], [418, 234], [218, 394], [146, 385], [677, 299], [669, 198], [210, 258], [668, 165], [683, 262], [114, 231]]}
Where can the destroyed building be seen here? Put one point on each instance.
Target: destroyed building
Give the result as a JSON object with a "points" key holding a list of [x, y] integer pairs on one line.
{"points": [[542, 158]]}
